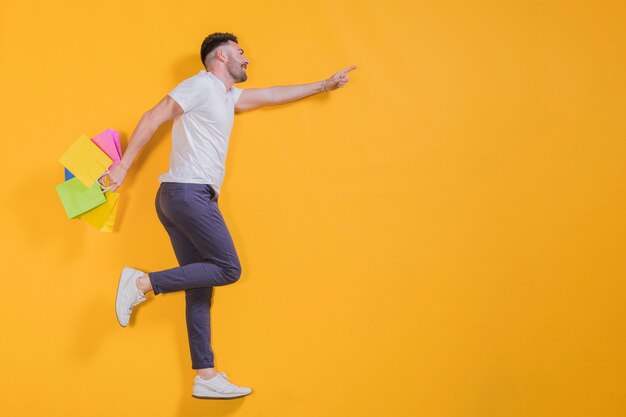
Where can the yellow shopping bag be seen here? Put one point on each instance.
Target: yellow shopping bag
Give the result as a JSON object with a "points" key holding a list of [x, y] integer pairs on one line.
{"points": [[103, 216], [85, 160]]}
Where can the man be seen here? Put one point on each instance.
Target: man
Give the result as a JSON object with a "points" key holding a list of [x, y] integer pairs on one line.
{"points": [[203, 108]]}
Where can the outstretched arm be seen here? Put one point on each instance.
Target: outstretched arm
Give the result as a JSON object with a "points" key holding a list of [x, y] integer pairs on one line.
{"points": [[254, 98], [166, 109]]}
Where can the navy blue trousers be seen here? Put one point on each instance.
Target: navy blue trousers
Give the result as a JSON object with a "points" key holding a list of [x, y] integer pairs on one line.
{"points": [[206, 255]]}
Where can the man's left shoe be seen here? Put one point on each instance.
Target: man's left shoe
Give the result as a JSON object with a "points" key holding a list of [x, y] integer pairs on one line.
{"points": [[218, 387]]}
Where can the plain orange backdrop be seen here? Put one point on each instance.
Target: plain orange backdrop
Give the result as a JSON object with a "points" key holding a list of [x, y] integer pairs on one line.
{"points": [[444, 237]]}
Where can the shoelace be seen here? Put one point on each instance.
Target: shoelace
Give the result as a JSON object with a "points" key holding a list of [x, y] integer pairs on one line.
{"points": [[224, 384], [138, 299]]}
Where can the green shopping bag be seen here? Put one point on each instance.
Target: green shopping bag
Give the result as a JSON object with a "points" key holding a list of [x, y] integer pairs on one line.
{"points": [[77, 199]]}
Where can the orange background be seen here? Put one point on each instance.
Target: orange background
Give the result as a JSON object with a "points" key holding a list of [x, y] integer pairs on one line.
{"points": [[442, 237]]}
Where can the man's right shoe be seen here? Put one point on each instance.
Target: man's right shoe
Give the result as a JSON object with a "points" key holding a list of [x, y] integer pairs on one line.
{"points": [[218, 387], [128, 295]]}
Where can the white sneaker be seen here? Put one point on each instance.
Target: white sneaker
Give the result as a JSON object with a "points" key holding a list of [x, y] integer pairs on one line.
{"points": [[128, 295], [217, 387]]}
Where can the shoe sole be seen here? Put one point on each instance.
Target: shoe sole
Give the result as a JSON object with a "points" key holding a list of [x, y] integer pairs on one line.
{"points": [[119, 287], [219, 398]]}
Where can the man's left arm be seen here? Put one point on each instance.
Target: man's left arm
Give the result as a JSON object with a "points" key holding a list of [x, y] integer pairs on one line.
{"points": [[254, 98]]}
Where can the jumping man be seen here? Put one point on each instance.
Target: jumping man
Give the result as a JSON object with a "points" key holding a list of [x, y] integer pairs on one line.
{"points": [[203, 109]]}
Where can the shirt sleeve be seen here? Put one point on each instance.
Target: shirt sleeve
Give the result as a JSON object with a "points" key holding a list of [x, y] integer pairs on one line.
{"points": [[190, 93], [236, 92]]}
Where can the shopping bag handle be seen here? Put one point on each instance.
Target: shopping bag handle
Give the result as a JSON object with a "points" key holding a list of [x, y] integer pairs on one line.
{"points": [[104, 187]]}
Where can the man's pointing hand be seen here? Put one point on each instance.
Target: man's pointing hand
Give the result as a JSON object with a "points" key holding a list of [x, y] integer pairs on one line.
{"points": [[339, 79]]}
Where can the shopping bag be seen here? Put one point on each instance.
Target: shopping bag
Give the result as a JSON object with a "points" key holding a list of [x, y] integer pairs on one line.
{"points": [[86, 161], [77, 199], [108, 227], [103, 216], [109, 142]]}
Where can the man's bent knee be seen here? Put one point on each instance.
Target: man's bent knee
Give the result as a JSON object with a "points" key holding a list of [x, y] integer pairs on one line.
{"points": [[232, 273]]}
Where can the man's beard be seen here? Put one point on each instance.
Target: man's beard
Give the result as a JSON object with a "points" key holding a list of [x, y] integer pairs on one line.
{"points": [[235, 71]]}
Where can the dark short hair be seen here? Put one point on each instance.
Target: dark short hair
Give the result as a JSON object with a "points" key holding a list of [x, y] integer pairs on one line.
{"points": [[213, 41]]}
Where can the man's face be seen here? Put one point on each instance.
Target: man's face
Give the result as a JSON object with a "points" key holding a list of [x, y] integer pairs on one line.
{"points": [[237, 62]]}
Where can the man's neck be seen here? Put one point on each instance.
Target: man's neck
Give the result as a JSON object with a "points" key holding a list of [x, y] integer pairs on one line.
{"points": [[223, 75]]}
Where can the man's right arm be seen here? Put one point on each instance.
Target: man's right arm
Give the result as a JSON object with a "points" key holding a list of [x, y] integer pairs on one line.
{"points": [[167, 109]]}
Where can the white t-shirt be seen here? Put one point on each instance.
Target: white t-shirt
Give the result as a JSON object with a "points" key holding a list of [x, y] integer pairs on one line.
{"points": [[200, 135]]}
